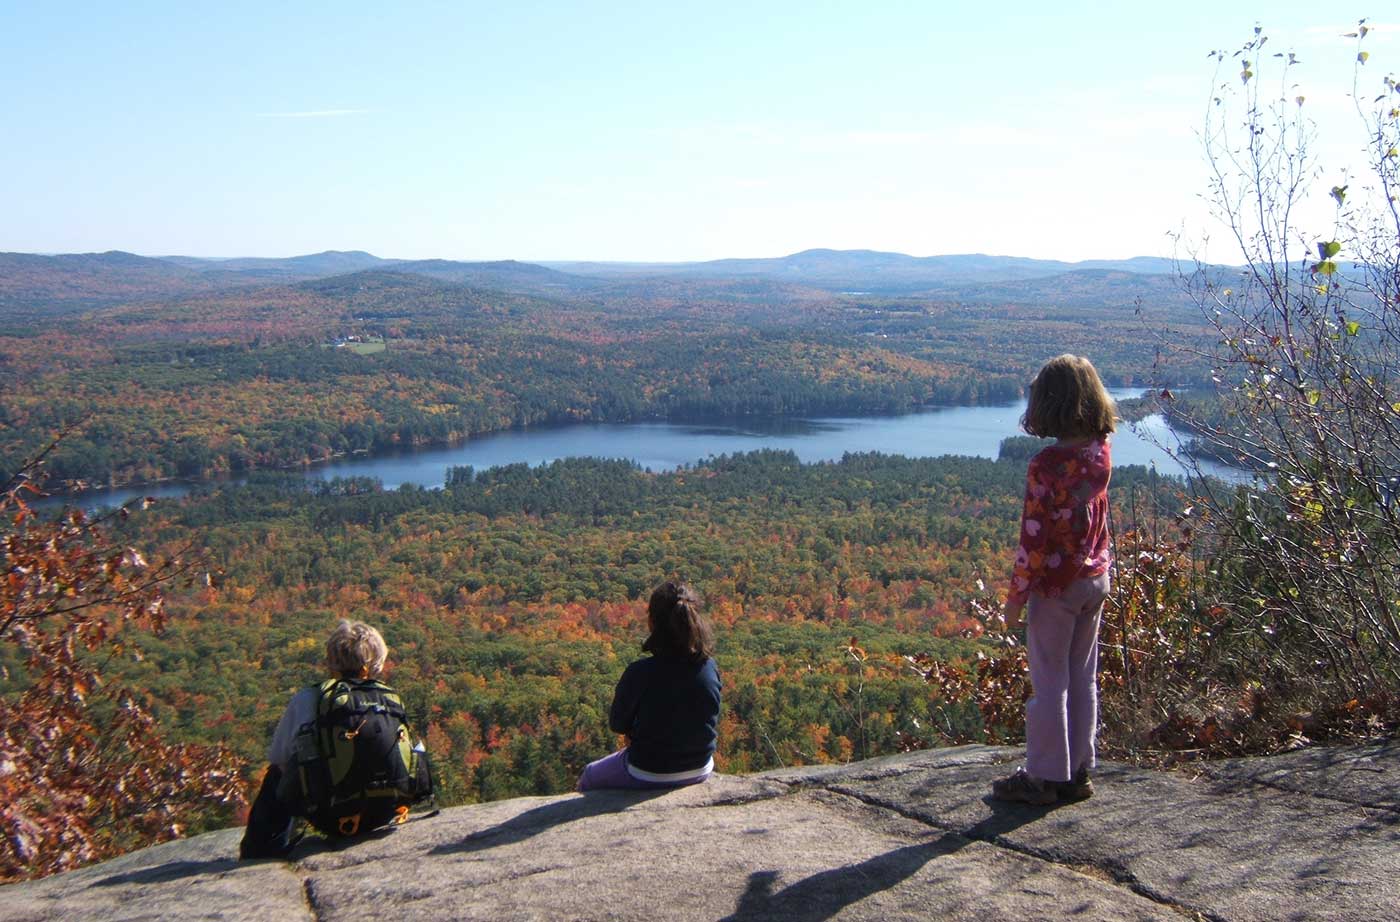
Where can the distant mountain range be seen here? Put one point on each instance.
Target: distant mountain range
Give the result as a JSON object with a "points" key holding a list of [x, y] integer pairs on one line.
{"points": [[872, 270], [35, 285], [505, 273], [331, 262]]}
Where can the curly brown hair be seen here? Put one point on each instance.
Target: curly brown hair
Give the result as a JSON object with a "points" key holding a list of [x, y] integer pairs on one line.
{"points": [[677, 626], [1067, 400]]}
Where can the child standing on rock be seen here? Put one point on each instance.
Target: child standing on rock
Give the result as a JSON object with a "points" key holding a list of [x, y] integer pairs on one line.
{"points": [[667, 704], [1061, 579]]}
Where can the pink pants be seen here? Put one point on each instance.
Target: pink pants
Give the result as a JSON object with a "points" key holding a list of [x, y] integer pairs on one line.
{"points": [[1062, 644]]}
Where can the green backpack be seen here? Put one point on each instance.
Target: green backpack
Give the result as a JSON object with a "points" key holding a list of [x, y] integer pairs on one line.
{"points": [[357, 767]]}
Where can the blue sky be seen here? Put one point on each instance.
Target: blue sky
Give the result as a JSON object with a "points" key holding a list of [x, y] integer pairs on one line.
{"points": [[647, 131]]}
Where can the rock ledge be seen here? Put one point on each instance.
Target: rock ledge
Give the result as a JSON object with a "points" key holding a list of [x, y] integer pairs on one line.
{"points": [[1311, 835]]}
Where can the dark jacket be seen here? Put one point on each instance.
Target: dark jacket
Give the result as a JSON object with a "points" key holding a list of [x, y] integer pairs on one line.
{"points": [[669, 709]]}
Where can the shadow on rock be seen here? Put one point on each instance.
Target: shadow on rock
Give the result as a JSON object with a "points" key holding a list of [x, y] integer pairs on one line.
{"points": [[1364, 774], [174, 870], [1006, 817], [314, 843], [823, 895], [532, 822]]}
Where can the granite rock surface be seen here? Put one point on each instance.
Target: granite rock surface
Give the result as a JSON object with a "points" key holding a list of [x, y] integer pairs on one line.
{"points": [[1309, 835]]}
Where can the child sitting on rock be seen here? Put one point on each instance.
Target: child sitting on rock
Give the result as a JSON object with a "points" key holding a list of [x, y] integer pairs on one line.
{"points": [[341, 756], [1061, 574], [667, 704]]}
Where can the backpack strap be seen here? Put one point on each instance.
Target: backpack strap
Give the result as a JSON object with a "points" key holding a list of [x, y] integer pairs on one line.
{"points": [[331, 690], [352, 694]]}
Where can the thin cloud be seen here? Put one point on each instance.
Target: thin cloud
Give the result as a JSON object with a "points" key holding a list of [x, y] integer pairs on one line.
{"points": [[314, 113]]}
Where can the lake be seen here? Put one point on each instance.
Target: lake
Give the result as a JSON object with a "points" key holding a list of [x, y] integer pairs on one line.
{"points": [[660, 446]]}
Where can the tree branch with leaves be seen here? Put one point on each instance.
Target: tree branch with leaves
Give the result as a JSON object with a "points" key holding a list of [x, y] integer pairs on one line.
{"points": [[1304, 561], [84, 769]]}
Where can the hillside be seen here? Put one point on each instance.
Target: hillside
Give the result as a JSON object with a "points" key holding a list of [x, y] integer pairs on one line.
{"points": [[1310, 835], [328, 262], [233, 362], [34, 285], [501, 275], [1075, 289], [258, 386]]}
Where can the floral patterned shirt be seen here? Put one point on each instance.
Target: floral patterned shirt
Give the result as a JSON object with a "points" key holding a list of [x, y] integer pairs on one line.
{"points": [[1064, 528]]}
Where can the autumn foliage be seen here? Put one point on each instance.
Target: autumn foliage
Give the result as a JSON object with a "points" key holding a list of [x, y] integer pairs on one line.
{"points": [[1154, 658], [84, 770]]}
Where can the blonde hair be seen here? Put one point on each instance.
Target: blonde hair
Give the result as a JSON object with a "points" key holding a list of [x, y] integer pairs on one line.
{"points": [[1068, 400], [354, 649]]}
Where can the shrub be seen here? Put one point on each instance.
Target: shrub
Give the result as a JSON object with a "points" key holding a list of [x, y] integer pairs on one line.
{"points": [[1301, 580]]}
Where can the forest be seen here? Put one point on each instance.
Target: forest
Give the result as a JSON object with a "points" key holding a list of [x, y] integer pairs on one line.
{"points": [[512, 599]]}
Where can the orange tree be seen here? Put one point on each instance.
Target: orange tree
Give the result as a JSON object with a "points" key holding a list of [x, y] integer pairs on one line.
{"points": [[84, 770]]}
